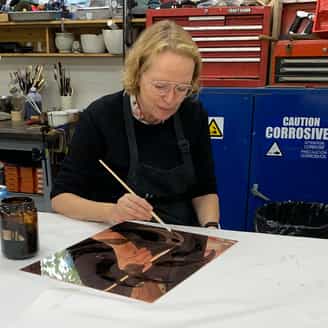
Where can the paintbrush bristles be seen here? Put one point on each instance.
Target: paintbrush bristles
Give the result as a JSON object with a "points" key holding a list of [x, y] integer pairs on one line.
{"points": [[28, 77], [63, 79]]}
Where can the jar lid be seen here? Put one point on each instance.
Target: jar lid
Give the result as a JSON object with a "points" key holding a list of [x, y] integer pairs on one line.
{"points": [[11, 204]]}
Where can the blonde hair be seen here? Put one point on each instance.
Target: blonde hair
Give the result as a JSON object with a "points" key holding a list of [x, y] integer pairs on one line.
{"points": [[162, 36]]}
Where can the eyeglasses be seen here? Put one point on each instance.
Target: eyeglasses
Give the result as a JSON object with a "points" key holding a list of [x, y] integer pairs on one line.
{"points": [[163, 87]]}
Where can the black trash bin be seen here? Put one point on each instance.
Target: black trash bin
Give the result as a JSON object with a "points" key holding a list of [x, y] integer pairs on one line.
{"points": [[293, 218]]}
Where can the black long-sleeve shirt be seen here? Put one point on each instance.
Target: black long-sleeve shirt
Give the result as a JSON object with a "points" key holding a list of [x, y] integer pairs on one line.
{"points": [[101, 134]]}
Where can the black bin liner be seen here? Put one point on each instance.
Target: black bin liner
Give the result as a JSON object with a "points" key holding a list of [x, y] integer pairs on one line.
{"points": [[293, 218]]}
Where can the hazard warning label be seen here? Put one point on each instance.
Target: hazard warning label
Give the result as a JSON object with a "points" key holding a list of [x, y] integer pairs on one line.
{"points": [[274, 150], [215, 126]]}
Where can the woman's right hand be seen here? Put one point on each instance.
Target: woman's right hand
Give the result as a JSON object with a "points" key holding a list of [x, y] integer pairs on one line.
{"points": [[131, 207]]}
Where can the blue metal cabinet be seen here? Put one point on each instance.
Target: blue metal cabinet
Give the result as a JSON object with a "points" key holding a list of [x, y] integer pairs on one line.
{"points": [[231, 152], [289, 147], [273, 138]]}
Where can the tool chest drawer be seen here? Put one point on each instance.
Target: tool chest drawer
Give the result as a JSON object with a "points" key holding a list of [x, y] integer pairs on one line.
{"points": [[301, 63], [231, 41]]}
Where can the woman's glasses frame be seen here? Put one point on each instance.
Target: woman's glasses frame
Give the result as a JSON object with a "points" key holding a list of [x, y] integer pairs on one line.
{"points": [[162, 88]]}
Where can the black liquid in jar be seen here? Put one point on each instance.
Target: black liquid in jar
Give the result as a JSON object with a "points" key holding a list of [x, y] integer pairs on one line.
{"points": [[19, 228]]}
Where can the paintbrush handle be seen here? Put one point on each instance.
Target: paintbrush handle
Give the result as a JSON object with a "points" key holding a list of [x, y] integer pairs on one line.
{"points": [[159, 220], [116, 177], [156, 217]]}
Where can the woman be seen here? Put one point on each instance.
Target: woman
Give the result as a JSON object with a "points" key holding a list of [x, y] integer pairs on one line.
{"points": [[152, 134]]}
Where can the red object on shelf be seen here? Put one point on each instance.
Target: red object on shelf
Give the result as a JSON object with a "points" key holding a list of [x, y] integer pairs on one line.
{"points": [[12, 177], [302, 62], [229, 40], [26, 179], [321, 17]]}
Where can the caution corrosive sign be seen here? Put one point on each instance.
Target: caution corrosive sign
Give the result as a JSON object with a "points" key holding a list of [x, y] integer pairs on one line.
{"points": [[304, 137], [215, 126]]}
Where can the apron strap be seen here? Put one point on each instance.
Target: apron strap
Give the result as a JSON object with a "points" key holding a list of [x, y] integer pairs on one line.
{"points": [[183, 143], [129, 129]]}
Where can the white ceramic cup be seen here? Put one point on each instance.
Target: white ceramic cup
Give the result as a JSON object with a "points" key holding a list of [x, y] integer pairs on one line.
{"points": [[92, 43], [66, 102], [64, 41], [113, 41]]}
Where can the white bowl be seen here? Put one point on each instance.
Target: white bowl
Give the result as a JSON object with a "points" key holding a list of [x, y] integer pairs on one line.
{"points": [[64, 41], [92, 43], [113, 41]]}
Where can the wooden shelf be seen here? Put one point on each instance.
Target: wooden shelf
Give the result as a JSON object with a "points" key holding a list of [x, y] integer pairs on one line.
{"points": [[69, 22], [43, 33]]}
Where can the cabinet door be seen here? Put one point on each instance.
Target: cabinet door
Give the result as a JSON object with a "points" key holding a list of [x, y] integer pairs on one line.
{"points": [[289, 148], [230, 126]]}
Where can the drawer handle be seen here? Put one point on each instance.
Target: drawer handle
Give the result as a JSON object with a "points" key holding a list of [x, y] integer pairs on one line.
{"points": [[223, 28], [206, 18], [227, 38], [231, 49], [231, 60]]}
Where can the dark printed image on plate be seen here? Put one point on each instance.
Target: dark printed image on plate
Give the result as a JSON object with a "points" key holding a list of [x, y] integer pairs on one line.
{"points": [[139, 261]]}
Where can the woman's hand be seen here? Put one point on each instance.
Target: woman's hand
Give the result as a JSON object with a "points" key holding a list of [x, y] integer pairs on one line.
{"points": [[131, 207]]}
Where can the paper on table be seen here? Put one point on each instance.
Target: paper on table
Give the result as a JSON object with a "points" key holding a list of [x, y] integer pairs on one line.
{"points": [[68, 308], [73, 308]]}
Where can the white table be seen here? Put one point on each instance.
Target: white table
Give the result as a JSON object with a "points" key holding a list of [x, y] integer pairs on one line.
{"points": [[262, 281]]}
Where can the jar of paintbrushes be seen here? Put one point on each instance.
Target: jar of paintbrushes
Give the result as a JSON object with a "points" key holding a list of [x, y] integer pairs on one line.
{"points": [[25, 85], [66, 102], [63, 80]]}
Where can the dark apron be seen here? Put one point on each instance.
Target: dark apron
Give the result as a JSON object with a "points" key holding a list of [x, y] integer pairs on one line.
{"points": [[166, 190]]}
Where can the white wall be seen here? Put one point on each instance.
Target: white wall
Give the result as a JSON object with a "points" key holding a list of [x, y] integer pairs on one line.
{"points": [[91, 77]]}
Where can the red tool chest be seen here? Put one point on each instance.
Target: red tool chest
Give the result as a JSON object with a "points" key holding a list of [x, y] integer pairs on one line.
{"points": [[232, 42], [321, 18], [299, 62]]}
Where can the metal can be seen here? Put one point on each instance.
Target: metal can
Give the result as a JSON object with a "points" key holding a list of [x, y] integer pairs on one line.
{"points": [[3, 192]]}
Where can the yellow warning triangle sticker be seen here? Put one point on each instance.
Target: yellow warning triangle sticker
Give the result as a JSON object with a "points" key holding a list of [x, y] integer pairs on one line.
{"points": [[214, 129]]}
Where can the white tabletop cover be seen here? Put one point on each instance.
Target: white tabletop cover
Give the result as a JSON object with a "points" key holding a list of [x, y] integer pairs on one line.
{"points": [[262, 281]]}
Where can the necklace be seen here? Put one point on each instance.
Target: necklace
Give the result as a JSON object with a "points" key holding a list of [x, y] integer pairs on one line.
{"points": [[139, 115]]}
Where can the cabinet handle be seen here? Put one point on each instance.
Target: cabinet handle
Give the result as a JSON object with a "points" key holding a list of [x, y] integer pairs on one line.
{"points": [[255, 191]]}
